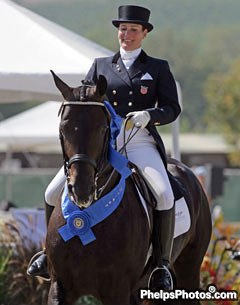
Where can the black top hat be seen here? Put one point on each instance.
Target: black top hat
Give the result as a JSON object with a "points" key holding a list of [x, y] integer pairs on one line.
{"points": [[133, 14]]}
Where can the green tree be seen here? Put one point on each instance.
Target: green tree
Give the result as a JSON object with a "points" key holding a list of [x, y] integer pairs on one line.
{"points": [[223, 94]]}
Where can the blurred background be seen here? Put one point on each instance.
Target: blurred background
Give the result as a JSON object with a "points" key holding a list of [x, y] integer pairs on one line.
{"points": [[200, 39]]}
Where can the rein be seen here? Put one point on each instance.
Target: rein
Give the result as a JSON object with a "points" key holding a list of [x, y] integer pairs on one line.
{"points": [[120, 150]]}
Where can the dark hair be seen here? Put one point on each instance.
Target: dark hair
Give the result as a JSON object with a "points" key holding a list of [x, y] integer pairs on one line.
{"points": [[143, 26]]}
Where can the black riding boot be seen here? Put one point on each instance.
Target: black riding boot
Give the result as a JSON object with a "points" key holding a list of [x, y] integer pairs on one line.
{"points": [[162, 241], [38, 263]]}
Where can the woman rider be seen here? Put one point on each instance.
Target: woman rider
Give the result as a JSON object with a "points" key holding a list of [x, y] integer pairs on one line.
{"points": [[143, 89]]}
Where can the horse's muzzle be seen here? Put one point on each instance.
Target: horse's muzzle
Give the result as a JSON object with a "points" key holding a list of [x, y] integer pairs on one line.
{"points": [[85, 203], [82, 199]]}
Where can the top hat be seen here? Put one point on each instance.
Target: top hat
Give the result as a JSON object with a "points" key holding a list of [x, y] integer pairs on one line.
{"points": [[133, 14]]}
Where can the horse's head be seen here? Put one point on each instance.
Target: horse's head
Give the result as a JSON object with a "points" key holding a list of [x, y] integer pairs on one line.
{"points": [[84, 132]]}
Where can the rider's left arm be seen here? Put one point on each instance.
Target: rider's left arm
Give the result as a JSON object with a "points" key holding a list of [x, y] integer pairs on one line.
{"points": [[167, 108]]}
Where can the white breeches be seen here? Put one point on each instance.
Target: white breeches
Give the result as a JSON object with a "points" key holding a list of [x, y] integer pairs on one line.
{"points": [[55, 188], [142, 151]]}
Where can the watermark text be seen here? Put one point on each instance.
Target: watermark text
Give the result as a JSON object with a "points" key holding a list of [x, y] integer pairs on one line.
{"points": [[211, 293]]}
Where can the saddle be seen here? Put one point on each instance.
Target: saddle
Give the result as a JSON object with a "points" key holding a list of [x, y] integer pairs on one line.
{"points": [[147, 191], [177, 187], [143, 187], [182, 216]]}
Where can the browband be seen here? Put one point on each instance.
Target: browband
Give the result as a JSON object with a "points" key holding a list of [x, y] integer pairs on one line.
{"points": [[83, 103], [64, 103]]}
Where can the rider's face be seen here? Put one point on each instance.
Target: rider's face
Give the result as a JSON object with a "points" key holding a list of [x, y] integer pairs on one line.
{"points": [[130, 36]]}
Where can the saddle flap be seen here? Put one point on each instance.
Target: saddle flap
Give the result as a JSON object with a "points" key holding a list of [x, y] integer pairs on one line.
{"points": [[142, 186], [177, 187]]}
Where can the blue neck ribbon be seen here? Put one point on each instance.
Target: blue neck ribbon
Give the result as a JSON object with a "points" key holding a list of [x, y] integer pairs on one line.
{"points": [[80, 222]]}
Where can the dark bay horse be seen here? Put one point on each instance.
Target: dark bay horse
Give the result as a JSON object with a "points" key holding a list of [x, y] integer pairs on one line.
{"points": [[112, 267]]}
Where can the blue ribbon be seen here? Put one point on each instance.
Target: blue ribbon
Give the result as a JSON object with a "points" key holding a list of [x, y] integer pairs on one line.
{"points": [[80, 222], [115, 124]]}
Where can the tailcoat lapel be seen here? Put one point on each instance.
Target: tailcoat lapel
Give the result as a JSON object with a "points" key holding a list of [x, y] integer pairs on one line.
{"points": [[137, 67], [120, 70]]}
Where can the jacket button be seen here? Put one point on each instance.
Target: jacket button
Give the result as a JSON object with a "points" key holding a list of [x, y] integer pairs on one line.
{"points": [[115, 103], [130, 93], [114, 92], [129, 104]]}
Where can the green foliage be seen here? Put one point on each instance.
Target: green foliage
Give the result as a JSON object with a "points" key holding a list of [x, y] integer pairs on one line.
{"points": [[16, 287], [4, 259], [223, 94]]}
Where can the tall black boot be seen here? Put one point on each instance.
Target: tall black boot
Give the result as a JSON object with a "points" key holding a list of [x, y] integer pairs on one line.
{"points": [[38, 263], [162, 241]]}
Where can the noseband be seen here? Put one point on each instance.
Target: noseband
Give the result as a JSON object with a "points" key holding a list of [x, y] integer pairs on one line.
{"points": [[82, 158], [77, 157]]}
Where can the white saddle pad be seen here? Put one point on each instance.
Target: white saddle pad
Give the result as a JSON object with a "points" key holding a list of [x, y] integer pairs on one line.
{"points": [[182, 219], [182, 216]]}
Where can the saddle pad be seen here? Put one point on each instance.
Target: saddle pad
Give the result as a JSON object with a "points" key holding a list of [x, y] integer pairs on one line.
{"points": [[182, 220], [182, 215]]}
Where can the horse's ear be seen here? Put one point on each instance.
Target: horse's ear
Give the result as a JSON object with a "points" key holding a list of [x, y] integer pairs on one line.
{"points": [[66, 91], [101, 85]]}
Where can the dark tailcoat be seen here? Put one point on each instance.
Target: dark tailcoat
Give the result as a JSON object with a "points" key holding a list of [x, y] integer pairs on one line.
{"points": [[147, 85]]}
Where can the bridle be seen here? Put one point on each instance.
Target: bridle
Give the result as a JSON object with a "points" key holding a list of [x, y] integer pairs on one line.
{"points": [[79, 157], [99, 166]]}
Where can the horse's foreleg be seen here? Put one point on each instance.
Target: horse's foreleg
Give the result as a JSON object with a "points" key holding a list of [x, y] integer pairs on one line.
{"points": [[56, 294]]}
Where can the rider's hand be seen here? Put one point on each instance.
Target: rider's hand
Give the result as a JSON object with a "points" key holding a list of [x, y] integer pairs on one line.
{"points": [[140, 119]]}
